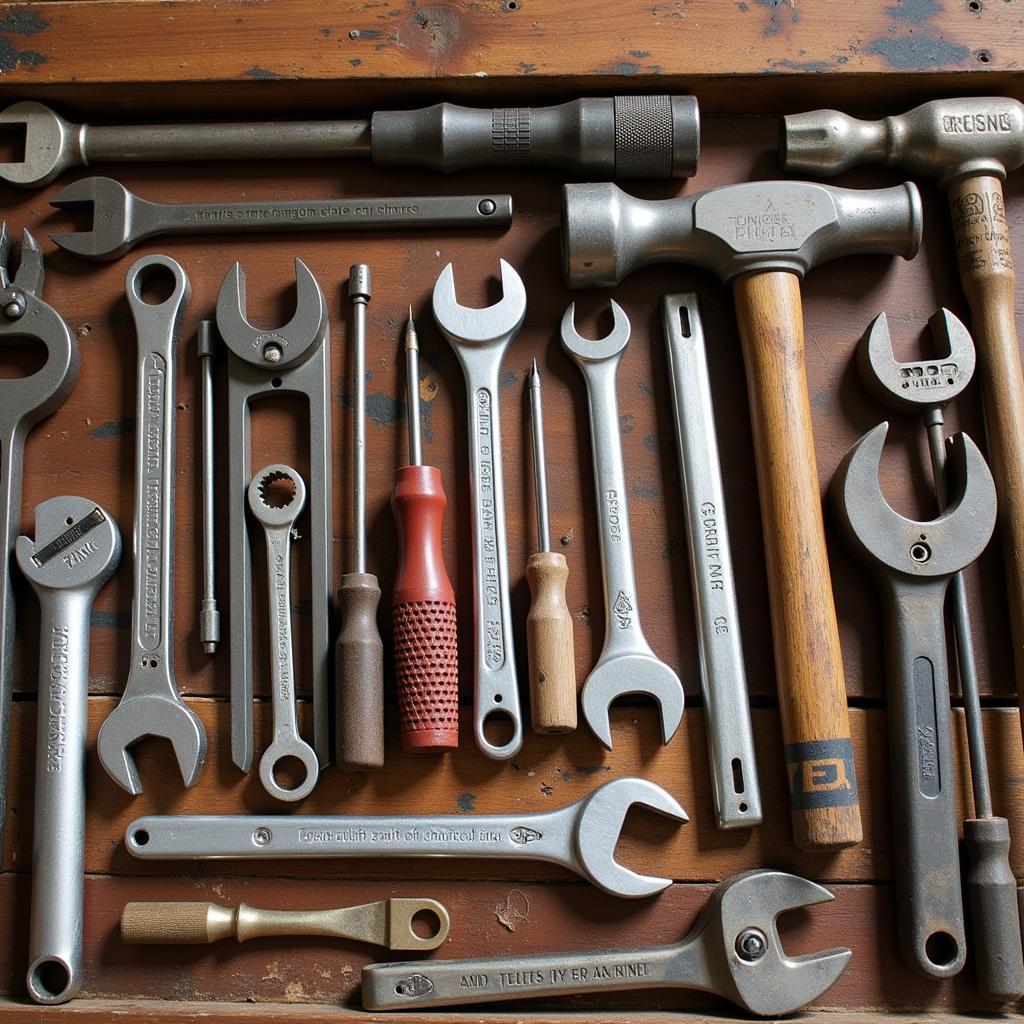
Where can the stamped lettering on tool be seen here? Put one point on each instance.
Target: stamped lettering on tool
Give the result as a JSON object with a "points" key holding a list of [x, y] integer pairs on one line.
{"points": [[979, 225], [419, 835], [821, 774], [282, 639], [972, 124], [414, 985], [622, 611], [711, 538], [57, 711], [154, 371], [493, 633]]}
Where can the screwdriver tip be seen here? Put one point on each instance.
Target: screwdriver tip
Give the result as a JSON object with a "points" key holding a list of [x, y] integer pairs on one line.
{"points": [[534, 373]]}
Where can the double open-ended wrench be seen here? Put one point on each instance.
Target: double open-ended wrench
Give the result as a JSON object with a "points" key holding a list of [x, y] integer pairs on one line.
{"points": [[277, 496], [150, 705], [627, 664], [480, 338]]}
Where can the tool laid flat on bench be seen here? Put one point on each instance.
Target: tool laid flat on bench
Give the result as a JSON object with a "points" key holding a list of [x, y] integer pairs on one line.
{"points": [[620, 136], [733, 951], [121, 219], [581, 837]]}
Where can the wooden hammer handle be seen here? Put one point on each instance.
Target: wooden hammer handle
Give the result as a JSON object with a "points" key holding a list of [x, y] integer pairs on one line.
{"points": [[812, 691]]}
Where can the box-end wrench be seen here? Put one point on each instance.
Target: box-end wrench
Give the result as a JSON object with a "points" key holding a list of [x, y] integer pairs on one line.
{"points": [[24, 401], [733, 950], [627, 664], [150, 705], [581, 837], [480, 338], [121, 219], [913, 563], [723, 678], [75, 551], [277, 496]]}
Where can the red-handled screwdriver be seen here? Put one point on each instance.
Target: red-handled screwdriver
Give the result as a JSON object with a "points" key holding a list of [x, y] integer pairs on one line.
{"points": [[423, 604]]}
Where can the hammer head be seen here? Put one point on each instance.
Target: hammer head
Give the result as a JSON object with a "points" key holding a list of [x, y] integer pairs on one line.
{"points": [[762, 225]]}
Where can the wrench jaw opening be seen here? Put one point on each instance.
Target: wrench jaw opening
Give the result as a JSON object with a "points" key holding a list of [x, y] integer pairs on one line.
{"points": [[51, 145], [111, 234], [625, 674], [466, 325]]}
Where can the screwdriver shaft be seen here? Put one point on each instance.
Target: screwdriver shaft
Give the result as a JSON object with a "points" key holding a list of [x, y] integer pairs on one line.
{"points": [[209, 616], [540, 476], [359, 291], [412, 376]]}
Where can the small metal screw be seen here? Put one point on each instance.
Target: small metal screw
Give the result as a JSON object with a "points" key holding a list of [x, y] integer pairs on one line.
{"points": [[487, 207], [261, 836], [15, 306], [751, 945], [272, 353]]}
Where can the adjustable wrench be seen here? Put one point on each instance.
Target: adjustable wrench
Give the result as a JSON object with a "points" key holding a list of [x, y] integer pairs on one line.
{"points": [[24, 401], [733, 950], [480, 338], [581, 837], [76, 550], [913, 563], [627, 664], [723, 679], [277, 509], [150, 705], [121, 219]]}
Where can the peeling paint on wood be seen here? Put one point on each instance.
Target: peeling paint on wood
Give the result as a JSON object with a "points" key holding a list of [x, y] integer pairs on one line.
{"points": [[919, 52], [114, 428]]}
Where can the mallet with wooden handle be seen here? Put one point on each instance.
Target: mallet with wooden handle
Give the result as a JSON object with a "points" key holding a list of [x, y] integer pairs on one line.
{"points": [[763, 237]]}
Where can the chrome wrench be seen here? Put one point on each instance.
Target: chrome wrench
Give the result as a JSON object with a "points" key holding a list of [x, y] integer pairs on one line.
{"points": [[150, 705], [277, 496], [480, 338], [627, 664], [723, 679], [76, 550]]}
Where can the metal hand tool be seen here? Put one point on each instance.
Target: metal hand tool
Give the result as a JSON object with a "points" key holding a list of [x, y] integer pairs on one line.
{"points": [[627, 664], [548, 624], [969, 144], [150, 705], [723, 679], [925, 387], [480, 338], [580, 837], [913, 562], [209, 615], [763, 237], [423, 602], [384, 923], [24, 401], [121, 220], [733, 950], [621, 136], [294, 361], [359, 651], [75, 551], [277, 496]]}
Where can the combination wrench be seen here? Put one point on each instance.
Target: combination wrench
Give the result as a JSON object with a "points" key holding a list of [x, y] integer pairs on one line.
{"points": [[277, 496], [627, 664], [480, 338], [76, 550], [150, 705], [581, 837]]}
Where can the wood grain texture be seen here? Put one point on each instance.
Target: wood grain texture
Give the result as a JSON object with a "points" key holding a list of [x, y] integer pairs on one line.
{"points": [[552, 660]]}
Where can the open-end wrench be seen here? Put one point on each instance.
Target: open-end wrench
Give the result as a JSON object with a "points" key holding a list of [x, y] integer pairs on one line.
{"points": [[277, 496], [480, 338], [913, 562], [733, 950], [581, 837], [723, 678], [627, 664], [150, 705], [75, 551], [121, 219], [24, 401]]}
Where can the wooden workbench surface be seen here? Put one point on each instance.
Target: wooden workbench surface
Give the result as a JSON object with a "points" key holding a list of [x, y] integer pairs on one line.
{"points": [[111, 59]]}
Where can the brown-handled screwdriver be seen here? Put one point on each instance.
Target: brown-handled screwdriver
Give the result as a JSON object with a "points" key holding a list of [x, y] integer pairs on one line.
{"points": [[423, 603], [549, 624], [359, 652]]}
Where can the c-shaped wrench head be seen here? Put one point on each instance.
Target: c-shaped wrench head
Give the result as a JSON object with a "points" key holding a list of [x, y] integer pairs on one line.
{"points": [[470, 327], [583, 350], [116, 216], [916, 550], [51, 145]]}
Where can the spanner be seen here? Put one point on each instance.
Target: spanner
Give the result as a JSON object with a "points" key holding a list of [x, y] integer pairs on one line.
{"points": [[581, 837], [733, 950], [913, 563], [75, 551], [24, 401], [150, 705], [121, 219], [627, 664], [480, 338], [277, 496], [723, 678]]}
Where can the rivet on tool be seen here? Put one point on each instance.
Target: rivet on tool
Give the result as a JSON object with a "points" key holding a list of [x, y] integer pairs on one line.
{"points": [[751, 945]]}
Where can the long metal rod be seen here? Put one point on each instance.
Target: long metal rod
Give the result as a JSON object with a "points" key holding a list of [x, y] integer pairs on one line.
{"points": [[209, 616], [359, 290], [412, 386], [540, 476]]}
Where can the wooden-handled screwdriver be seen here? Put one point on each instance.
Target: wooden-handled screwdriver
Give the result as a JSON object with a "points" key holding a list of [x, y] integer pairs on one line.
{"points": [[549, 624], [423, 603], [359, 652]]}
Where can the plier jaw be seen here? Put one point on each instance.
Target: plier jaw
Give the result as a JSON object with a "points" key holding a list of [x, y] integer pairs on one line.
{"points": [[27, 280]]}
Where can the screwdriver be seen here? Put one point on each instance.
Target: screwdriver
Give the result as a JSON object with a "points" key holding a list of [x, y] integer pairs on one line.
{"points": [[359, 651], [548, 625], [423, 603]]}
